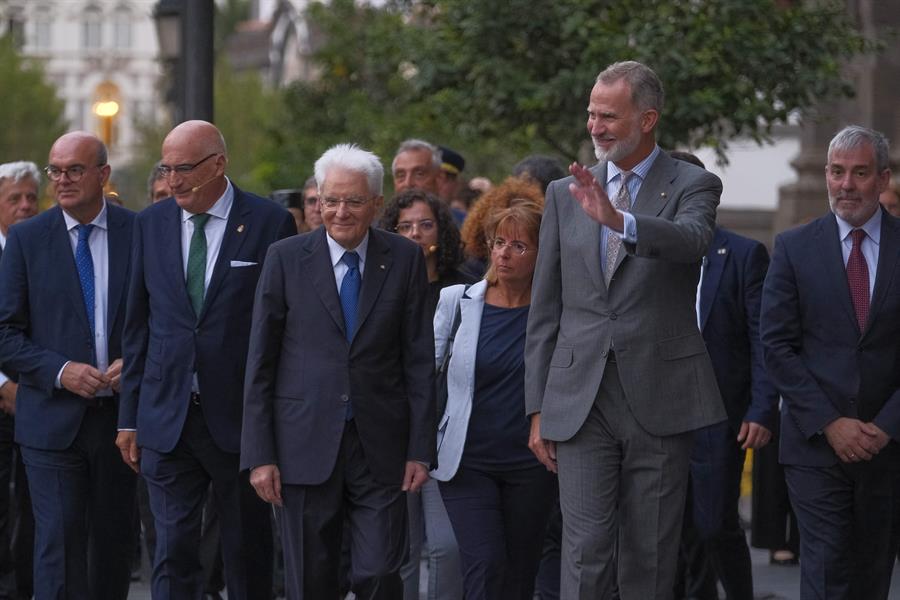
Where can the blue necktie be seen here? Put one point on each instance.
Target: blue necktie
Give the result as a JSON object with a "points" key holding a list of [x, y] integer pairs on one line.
{"points": [[350, 292], [85, 264]]}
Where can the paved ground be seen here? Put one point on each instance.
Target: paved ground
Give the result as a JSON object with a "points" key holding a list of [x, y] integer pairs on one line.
{"points": [[770, 582]]}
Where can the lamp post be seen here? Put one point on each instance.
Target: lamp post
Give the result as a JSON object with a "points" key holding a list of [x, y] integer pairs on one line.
{"points": [[106, 107], [185, 33]]}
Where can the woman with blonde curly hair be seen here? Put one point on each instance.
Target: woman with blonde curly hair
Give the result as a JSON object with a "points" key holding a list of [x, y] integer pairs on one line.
{"points": [[511, 192]]}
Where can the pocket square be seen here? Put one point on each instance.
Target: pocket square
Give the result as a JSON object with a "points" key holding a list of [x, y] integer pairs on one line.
{"points": [[242, 263]]}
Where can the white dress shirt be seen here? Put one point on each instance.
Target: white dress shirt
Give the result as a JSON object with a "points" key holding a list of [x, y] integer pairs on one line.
{"points": [[337, 253], [99, 245], [3, 377]]}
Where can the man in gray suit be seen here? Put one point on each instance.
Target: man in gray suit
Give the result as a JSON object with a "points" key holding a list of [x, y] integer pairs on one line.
{"points": [[617, 374]]}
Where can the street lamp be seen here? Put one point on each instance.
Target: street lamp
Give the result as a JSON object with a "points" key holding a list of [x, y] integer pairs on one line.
{"points": [[185, 33], [106, 107]]}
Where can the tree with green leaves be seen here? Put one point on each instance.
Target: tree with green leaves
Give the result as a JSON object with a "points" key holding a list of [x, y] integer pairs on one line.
{"points": [[731, 68], [32, 115]]}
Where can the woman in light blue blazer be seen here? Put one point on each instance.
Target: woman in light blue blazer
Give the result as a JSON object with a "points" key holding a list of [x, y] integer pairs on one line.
{"points": [[497, 494]]}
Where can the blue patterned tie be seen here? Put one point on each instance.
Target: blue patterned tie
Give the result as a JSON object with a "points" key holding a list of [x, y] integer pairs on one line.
{"points": [[350, 292], [85, 264]]}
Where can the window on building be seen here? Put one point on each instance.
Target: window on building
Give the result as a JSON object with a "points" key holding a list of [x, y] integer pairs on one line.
{"points": [[122, 28], [92, 28], [43, 28]]}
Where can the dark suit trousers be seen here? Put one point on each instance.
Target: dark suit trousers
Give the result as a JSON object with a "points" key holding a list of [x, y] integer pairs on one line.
{"points": [[622, 493], [714, 543], [848, 526], [312, 529], [16, 520], [83, 500], [499, 518], [177, 482]]}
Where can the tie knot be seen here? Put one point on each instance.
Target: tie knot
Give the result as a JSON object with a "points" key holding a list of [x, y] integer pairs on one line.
{"points": [[858, 236], [84, 232], [200, 220], [351, 259]]}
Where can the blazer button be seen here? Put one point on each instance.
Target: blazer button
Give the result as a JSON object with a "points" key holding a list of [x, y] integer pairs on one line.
{"points": [[345, 398], [613, 316]]}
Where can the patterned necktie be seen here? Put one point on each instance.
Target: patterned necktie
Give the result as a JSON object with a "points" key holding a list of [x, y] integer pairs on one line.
{"points": [[196, 267], [350, 292], [622, 202], [85, 265], [858, 278]]}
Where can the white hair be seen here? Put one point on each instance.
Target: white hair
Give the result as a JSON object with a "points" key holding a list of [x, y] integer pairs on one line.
{"points": [[19, 170], [352, 158]]}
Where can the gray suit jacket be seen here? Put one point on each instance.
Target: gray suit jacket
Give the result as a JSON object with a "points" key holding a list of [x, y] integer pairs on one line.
{"points": [[647, 313]]}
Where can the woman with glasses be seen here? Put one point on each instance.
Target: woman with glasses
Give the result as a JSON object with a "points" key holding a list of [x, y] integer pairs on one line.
{"points": [[513, 191], [497, 494], [423, 218]]}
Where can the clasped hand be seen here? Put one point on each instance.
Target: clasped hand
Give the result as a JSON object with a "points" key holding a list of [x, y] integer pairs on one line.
{"points": [[853, 440], [86, 380]]}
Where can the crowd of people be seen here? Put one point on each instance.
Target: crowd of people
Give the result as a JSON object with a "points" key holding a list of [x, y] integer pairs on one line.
{"points": [[544, 387]]}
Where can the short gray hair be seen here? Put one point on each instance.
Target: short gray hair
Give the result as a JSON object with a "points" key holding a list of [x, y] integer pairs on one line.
{"points": [[413, 145], [19, 170], [352, 158], [854, 136], [646, 88]]}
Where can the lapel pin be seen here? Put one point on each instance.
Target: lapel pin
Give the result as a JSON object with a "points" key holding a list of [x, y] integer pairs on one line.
{"points": [[662, 194], [382, 267], [240, 228], [722, 250]]}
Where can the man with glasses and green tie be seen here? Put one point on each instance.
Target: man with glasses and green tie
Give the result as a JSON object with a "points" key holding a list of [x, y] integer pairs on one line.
{"points": [[64, 276], [196, 260], [339, 403]]}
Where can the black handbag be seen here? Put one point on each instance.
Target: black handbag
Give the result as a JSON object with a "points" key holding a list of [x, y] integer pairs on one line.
{"points": [[440, 374]]}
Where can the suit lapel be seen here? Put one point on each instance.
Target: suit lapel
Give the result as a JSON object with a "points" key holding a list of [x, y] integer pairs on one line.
{"points": [[378, 264], [60, 251], [237, 229], [587, 232], [833, 263], [118, 254], [888, 250], [654, 193], [716, 258], [322, 274], [171, 259]]}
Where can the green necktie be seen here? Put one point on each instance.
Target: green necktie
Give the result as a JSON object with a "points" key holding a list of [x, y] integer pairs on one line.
{"points": [[196, 267]]}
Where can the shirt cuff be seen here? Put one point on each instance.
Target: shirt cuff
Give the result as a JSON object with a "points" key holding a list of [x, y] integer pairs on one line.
{"points": [[630, 233], [3, 378], [125, 429], [59, 375]]}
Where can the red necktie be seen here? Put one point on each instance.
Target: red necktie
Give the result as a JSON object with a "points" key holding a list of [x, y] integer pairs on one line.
{"points": [[858, 278]]}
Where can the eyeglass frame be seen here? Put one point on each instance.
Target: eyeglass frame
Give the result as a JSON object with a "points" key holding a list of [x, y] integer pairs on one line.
{"points": [[420, 225], [352, 204], [525, 249], [182, 170], [49, 170]]}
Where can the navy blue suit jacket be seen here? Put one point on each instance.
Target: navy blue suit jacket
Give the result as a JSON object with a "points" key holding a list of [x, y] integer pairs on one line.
{"points": [[302, 371], [165, 342], [821, 363], [43, 321], [730, 296]]}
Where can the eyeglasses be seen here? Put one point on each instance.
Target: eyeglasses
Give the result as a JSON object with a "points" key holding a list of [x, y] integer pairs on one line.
{"points": [[406, 227], [499, 244], [73, 173], [184, 169], [352, 204], [311, 200]]}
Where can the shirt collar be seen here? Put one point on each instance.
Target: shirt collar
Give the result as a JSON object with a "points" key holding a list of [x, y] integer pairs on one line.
{"points": [[2, 241], [221, 208], [872, 227], [640, 169], [99, 221], [337, 251]]}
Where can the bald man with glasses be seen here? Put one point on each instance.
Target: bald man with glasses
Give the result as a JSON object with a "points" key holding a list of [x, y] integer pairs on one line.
{"points": [[196, 260]]}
